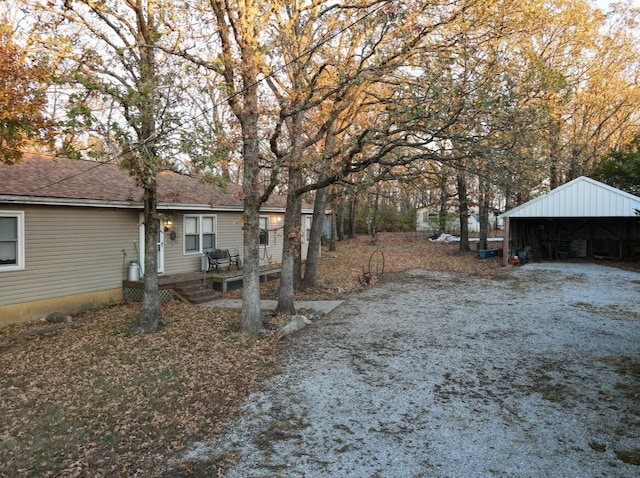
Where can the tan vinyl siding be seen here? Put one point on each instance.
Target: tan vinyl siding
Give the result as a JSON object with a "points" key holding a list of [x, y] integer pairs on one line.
{"points": [[175, 262], [229, 235], [272, 253], [70, 251], [79, 250]]}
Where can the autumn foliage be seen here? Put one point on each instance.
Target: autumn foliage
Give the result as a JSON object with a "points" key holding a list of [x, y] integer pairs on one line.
{"points": [[22, 101]]}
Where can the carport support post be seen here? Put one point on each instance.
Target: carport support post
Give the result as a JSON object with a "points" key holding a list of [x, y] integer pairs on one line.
{"points": [[506, 242]]}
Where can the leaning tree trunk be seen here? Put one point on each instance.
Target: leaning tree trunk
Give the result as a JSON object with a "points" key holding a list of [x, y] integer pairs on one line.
{"points": [[315, 240], [150, 316]]}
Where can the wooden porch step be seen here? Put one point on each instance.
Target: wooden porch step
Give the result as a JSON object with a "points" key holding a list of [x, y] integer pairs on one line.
{"points": [[194, 293]]}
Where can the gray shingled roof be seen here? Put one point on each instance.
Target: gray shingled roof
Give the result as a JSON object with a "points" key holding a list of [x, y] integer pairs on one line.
{"points": [[39, 176]]}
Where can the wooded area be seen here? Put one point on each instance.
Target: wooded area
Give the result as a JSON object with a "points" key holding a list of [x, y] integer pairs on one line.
{"points": [[371, 105]]}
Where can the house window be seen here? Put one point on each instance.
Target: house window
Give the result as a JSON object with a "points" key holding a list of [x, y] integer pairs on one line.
{"points": [[11, 240], [307, 227], [199, 233], [264, 230]]}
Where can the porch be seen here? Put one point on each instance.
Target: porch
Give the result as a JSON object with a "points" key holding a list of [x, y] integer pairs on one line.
{"points": [[194, 287]]}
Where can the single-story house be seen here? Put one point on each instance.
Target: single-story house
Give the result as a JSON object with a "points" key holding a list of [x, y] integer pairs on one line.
{"points": [[69, 230], [582, 218], [428, 221]]}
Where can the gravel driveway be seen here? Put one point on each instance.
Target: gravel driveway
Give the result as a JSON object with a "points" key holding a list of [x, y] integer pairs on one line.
{"points": [[535, 373]]}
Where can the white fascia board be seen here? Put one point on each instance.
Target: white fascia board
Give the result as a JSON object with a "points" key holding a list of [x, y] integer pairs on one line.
{"points": [[48, 201], [53, 201]]}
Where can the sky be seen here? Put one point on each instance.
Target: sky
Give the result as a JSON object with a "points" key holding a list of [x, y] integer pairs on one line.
{"points": [[603, 4]]}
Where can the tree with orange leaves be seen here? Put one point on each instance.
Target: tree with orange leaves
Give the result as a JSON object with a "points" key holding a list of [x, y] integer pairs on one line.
{"points": [[22, 100]]}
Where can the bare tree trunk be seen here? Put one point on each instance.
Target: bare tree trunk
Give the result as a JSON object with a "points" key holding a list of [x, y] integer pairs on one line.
{"points": [[315, 239], [554, 181], [291, 241], [150, 316], [291, 268], [484, 213], [339, 220], [251, 319], [334, 235], [508, 195], [373, 227], [352, 217], [463, 210], [443, 213], [297, 255]]}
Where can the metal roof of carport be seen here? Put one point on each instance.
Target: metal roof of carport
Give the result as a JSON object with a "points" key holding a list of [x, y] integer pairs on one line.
{"points": [[582, 197]]}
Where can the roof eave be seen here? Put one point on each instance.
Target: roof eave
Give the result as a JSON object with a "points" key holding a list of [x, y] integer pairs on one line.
{"points": [[53, 201]]}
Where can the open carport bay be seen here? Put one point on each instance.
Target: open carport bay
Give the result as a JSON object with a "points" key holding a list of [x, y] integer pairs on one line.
{"points": [[532, 373]]}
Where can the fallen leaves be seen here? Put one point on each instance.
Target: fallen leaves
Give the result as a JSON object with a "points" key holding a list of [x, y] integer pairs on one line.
{"points": [[96, 399]]}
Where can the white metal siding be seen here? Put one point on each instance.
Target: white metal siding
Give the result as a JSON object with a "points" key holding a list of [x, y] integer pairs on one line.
{"points": [[582, 197]]}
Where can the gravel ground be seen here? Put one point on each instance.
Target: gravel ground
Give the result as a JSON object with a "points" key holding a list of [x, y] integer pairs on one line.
{"points": [[534, 373]]}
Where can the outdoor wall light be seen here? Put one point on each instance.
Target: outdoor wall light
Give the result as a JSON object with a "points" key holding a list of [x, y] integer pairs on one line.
{"points": [[167, 225]]}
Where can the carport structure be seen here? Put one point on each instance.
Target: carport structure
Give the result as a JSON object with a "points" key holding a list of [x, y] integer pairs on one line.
{"points": [[582, 218]]}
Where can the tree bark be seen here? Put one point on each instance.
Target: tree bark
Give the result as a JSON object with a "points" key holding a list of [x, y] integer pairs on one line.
{"points": [[291, 240], [484, 213], [443, 213], [241, 64], [150, 315], [251, 320], [352, 217], [151, 163], [334, 236], [315, 239], [373, 227], [339, 220], [463, 209]]}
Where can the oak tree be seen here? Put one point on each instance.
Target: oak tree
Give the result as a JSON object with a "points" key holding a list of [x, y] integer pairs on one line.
{"points": [[23, 99]]}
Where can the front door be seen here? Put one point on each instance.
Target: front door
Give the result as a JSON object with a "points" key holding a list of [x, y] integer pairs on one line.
{"points": [[159, 245]]}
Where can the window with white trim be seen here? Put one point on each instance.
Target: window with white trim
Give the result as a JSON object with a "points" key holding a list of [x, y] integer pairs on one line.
{"points": [[264, 230], [11, 240], [199, 233], [307, 228]]}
